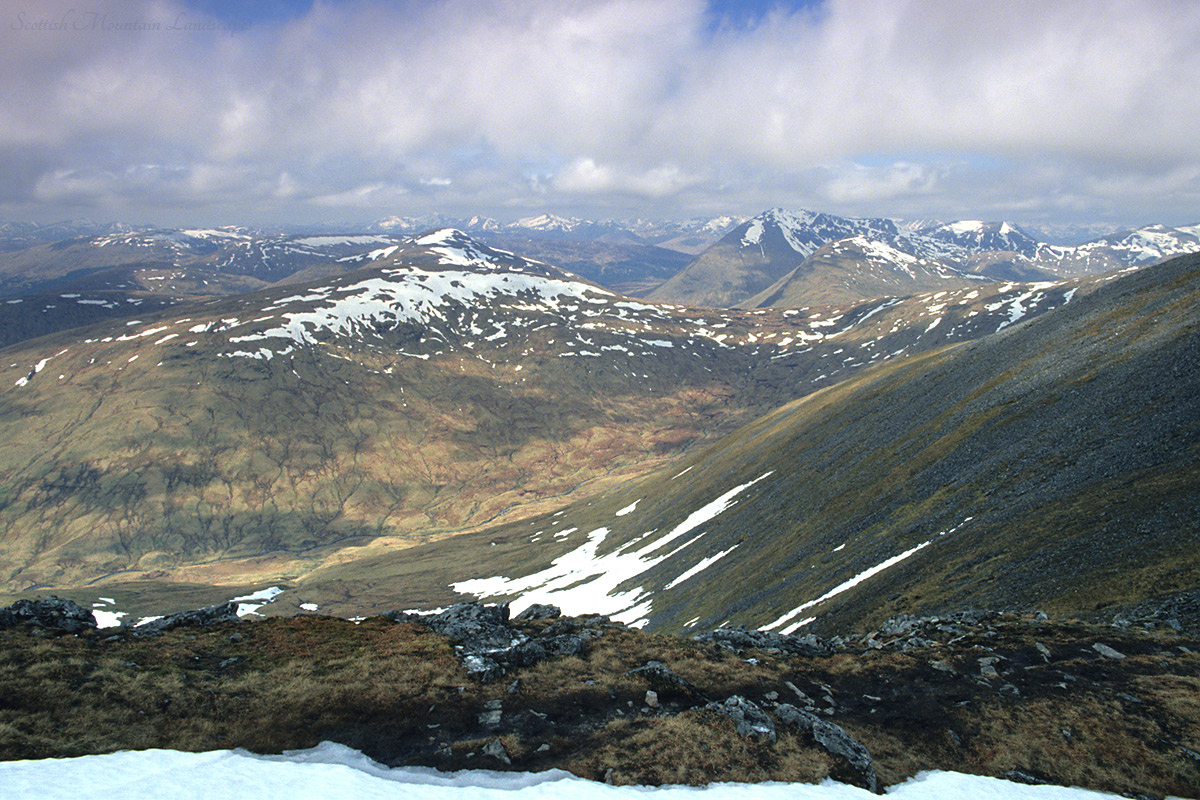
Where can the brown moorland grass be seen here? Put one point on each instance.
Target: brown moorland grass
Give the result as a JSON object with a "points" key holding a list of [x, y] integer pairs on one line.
{"points": [[398, 693]]}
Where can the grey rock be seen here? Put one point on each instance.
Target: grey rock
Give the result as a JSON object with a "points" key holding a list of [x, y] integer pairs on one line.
{"points": [[524, 653], [651, 699], [942, 666], [568, 644], [495, 749], [539, 611], [1020, 776], [477, 627], [482, 668], [748, 719], [833, 739], [487, 645], [210, 615], [989, 672], [53, 613], [805, 699], [1045, 651], [1107, 651], [665, 682], [739, 638]]}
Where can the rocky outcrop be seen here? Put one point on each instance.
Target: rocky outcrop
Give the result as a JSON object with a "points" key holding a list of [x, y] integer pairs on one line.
{"points": [[210, 615], [834, 740], [487, 643], [749, 720], [740, 638], [539, 611], [52, 614], [665, 683]]}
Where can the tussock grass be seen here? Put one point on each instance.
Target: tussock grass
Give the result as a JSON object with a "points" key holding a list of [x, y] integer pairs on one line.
{"points": [[397, 692]]}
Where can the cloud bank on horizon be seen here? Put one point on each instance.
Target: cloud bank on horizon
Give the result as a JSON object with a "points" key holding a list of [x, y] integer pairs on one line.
{"points": [[172, 112]]}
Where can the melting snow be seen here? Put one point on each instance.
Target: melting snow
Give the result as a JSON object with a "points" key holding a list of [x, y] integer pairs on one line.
{"points": [[584, 582], [699, 567], [628, 509], [413, 295], [834, 592], [251, 603]]}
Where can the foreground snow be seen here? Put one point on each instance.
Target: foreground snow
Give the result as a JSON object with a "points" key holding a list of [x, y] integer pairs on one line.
{"points": [[335, 771]]}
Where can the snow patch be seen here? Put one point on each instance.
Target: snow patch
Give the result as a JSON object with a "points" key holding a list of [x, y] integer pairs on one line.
{"points": [[583, 581], [628, 509]]}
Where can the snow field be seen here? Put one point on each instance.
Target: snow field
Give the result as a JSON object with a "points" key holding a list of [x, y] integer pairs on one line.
{"points": [[332, 771]]}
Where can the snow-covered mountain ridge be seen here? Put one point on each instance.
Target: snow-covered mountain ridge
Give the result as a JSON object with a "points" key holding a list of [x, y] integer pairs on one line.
{"points": [[763, 251]]}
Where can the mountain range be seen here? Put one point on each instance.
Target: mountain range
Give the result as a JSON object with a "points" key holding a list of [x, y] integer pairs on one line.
{"points": [[429, 387], [903, 418], [786, 258]]}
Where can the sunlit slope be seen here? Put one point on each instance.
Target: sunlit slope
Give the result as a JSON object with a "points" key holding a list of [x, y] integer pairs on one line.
{"points": [[1054, 465]]}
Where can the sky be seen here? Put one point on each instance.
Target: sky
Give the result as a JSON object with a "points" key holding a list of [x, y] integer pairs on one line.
{"points": [[199, 112]]}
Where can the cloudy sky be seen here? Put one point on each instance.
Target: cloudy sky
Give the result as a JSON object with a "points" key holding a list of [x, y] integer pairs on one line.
{"points": [[281, 111]]}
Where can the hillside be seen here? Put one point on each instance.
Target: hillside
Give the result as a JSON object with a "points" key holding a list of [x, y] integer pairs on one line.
{"points": [[759, 252], [1052, 465], [855, 268], [441, 387]]}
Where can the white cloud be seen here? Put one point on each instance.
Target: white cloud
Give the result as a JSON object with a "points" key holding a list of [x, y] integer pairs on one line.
{"points": [[584, 176], [858, 184], [638, 103], [371, 195]]}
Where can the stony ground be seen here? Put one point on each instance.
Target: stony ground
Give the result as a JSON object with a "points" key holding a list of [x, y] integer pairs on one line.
{"points": [[1101, 706]]}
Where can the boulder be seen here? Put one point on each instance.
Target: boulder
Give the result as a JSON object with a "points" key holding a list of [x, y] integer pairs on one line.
{"points": [[666, 683], [749, 720], [740, 638], [569, 644], [487, 644], [53, 613], [210, 615], [496, 750], [539, 611], [833, 739]]}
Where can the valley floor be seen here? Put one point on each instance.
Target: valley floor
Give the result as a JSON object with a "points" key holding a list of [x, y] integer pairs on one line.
{"points": [[1010, 696]]}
